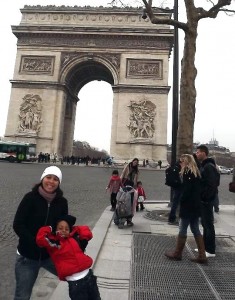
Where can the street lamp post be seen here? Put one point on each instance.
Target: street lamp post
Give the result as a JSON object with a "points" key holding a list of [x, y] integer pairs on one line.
{"points": [[175, 98], [175, 101]]}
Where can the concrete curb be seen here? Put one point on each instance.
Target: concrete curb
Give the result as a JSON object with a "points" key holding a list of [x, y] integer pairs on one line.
{"points": [[93, 249]]}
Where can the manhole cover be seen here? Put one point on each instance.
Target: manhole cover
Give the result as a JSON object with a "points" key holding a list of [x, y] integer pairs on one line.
{"points": [[158, 215]]}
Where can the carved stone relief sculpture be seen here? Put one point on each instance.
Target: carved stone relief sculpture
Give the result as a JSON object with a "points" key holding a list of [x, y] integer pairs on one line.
{"points": [[37, 64], [141, 118], [144, 68], [113, 58], [30, 117]]}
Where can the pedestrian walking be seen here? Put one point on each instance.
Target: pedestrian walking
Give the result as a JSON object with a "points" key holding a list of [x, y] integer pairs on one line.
{"points": [[129, 177], [209, 189], [160, 164], [42, 206], [189, 210], [66, 245], [173, 179], [113, 186]]}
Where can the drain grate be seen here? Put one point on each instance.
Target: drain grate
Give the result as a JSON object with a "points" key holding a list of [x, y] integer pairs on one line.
{"points": [[157, 215], [156, 277]]}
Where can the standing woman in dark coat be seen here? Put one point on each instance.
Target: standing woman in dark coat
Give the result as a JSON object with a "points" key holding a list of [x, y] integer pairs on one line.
{"points": [[189, 209], [44, 205]]}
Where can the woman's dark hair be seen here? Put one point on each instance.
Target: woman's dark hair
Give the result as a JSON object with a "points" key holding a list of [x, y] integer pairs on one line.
{"points": [[135, 159], [134, 167], [139, 182]]}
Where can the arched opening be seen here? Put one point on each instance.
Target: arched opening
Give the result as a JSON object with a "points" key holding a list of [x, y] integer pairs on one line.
{"points": [[88, 112], [94, 115]]}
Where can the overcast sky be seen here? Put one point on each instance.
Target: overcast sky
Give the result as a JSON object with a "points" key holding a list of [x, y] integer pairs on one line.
{"points": [[215, 83]]}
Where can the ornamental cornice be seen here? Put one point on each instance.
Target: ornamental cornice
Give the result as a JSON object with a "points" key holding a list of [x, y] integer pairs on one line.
{"points": [[43, 85], [83, 8], [94, 41], [88, 16], [144, 89], [60, 29]]}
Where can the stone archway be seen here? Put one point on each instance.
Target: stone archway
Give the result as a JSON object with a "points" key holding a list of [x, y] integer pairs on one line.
{"points": [[77, 71], [60, 49]]}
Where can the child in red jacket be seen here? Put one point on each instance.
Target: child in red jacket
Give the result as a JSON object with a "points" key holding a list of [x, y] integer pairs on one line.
{"points": [[66, 247], [141, 196], [113, 186]]}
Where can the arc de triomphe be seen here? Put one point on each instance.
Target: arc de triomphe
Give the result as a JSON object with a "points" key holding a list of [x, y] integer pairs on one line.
{"points": [[60, 49]]}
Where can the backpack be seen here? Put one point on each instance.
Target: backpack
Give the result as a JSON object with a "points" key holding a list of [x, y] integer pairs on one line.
{"points": [[172, 176], [124, 205]]}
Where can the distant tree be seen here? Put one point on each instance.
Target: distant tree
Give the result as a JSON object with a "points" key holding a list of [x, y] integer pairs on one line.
{"points": [[82, 149], [188, 69]]}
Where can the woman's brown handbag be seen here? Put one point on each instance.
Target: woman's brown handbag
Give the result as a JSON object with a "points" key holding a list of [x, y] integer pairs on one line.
{"points": [[232, 187]]}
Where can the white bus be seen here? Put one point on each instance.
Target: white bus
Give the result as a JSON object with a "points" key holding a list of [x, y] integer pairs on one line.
{"points": [[17, 151]]}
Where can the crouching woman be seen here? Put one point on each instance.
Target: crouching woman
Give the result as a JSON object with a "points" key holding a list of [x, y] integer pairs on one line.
{"points": [[189, 210]]}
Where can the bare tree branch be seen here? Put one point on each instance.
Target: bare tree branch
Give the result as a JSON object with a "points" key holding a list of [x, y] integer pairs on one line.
{"points": [[156, 20], [214, 10], [114, 2]]}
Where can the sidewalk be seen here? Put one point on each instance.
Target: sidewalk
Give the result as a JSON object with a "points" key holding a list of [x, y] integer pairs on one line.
{"points": [[130, 262]]}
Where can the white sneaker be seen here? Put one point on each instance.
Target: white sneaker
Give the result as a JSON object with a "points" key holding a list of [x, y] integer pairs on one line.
{"points": [[207, 253], [210, 254]]}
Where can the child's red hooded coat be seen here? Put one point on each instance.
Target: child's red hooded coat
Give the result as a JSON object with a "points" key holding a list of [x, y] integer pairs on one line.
{"points": [[69, 258]]}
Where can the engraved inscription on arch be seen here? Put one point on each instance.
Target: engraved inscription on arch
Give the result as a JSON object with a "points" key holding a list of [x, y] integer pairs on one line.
{"points": [[37, 65], [144, 68]]}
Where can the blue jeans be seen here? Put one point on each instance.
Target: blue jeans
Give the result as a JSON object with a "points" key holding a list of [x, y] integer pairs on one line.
{"points": [[85, 288], [26, 273], [207, 220], [194, 226]]}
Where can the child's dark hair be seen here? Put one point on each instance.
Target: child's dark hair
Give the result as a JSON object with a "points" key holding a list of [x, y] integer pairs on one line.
{"points": [[70, 220], [115, 172], [139, 182]]}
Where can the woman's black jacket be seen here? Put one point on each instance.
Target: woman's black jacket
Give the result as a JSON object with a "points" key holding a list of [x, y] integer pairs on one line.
{"points": [[191, 196], [34, 212]]}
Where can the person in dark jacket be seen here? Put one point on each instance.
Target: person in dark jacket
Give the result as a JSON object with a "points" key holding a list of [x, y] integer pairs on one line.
{"points": [[176, 192], [42, 206], [209, 185], [189, 210]]}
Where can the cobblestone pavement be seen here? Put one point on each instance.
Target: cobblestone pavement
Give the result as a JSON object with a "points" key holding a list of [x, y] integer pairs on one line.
{"points": [[84, 187]]}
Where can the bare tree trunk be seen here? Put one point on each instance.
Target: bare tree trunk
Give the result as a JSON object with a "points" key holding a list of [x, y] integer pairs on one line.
{"points": [[188, 69], [187, 93]]}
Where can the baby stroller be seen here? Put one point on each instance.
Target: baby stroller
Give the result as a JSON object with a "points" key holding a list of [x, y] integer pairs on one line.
{"points": [[124, 208]]}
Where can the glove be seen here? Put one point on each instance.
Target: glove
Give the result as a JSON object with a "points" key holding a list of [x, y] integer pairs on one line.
{"points": [[53, 243]]}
